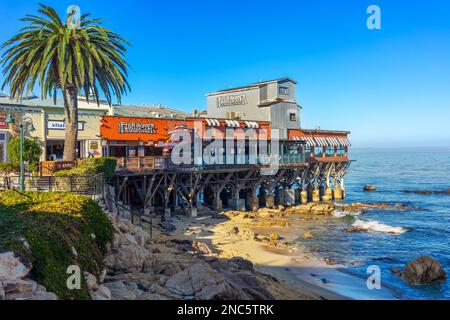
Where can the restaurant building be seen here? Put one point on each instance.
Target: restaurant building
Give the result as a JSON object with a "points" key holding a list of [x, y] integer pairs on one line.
{"points": [[47, 118]]}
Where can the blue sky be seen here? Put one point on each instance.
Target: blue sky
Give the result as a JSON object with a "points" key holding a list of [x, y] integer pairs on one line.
{"points": [[390, 87]]}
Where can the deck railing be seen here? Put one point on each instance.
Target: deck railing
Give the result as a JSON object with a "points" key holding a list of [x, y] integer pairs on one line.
{"points": [[49, 168], [85, 185]]}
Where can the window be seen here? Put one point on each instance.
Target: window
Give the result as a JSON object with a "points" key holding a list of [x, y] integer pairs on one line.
{"points": [[341, 151], [318, 152], [330, 152], [284, 91], [292, 116]]}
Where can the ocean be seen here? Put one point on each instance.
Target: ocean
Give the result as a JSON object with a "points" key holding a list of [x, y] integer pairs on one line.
{"points": [[422, 230]]}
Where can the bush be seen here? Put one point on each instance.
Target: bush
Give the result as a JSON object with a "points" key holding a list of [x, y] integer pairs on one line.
{"points": [[8, 167], [31, 153], [53, 224], [92, 166]]}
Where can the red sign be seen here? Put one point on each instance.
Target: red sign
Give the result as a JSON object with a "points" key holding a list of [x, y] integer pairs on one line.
{"points": [[3, 124]]}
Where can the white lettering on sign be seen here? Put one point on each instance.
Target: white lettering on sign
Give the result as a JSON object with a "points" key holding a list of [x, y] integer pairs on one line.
{"points": [[61, 125], [234, 100], [135, 127]]}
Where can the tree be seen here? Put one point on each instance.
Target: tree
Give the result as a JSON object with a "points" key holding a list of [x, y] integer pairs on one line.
{"points": [[31, 153], [68, 57]]}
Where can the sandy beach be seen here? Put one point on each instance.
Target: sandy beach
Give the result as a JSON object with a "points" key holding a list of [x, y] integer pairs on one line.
{"points": [[267, 241]]}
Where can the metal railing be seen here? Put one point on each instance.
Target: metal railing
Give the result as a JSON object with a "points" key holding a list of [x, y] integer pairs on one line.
{"points": [[85, 185]]}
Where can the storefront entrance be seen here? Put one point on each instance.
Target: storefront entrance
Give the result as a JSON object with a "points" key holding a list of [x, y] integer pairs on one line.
{"points": [[55, 150]]}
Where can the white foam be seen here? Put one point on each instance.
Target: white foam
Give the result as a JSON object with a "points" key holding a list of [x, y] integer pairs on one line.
{"points": [[341, 213], [378, 227]]}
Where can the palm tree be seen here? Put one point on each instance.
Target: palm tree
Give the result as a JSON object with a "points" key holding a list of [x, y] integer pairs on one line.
{"points": [[58, 56]]}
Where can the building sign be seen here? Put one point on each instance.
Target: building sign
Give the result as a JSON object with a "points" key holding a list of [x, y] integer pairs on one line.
{"points": [[3, 124], [61, 125], [93, 145], [136, 127], [231, 100]]}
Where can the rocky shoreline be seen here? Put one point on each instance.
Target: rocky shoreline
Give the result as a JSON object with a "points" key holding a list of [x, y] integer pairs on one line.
{"points": [[218, 255]]}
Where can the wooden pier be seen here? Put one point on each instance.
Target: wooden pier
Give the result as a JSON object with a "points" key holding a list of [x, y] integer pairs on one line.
{"points": [[167, 188]]}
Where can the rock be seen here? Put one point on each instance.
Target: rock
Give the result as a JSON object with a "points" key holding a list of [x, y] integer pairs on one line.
{"points": [[2, 292], [355, 230], [74, 252], [274, 237], [424, 270], [396, 271], [308, 235], [151, 296], [102, 276], [127, 258], [39, 296], [11, 268], [242, 263], [91, 280], [125, 226], [100, 293], [427, 191], [142, 237], [121, 293], [130, 238], [369, 188], [169, 227], [180, 283], [19, 286], [201, 247], [234, 231]]}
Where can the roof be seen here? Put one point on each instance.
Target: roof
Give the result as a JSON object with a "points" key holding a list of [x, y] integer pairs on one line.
{"points": [[119, 110], [49, 102], [149, 111], [253, 85]]}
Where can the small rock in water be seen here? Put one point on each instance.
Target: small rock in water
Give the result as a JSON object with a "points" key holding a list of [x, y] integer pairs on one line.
{"points": [[369, 188], [355, 230], [308, 235], [424, 270]]}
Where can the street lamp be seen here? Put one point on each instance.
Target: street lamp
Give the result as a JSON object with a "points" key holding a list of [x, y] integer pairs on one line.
{"points": [[28, 122]]}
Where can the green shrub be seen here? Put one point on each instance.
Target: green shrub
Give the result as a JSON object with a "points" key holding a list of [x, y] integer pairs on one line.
{"points": [[92, 166], [8, 167], [53, 223], [31, 153]]}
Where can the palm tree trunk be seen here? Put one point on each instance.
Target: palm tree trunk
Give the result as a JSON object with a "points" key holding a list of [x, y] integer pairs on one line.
{"points": [[71, 113]]}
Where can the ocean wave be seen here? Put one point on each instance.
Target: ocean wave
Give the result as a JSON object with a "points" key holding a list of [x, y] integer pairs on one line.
{"points": [[342, 213], [376, 226]]}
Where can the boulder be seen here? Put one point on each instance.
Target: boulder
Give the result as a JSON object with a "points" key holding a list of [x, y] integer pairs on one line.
{"points": [[38, 296], [142, 237], [127, 258], [19, 286], [167, 226], [122, 294], [369, 188], [100, 293], [90, 280], [424, 270], [201, 247], [11, 268]]}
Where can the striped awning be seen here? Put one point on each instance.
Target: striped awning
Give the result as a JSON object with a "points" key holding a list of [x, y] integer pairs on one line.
{"points": [[212, 122], [324, 141], [251, 124], [232, 124]]}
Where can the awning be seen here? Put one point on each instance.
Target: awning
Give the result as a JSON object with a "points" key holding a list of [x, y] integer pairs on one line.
{"points": [[232, 124], [213, 122], [252, 124]]}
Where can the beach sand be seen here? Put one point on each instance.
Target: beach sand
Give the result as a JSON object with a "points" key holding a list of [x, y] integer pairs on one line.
{"points": [[301, 274]]}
